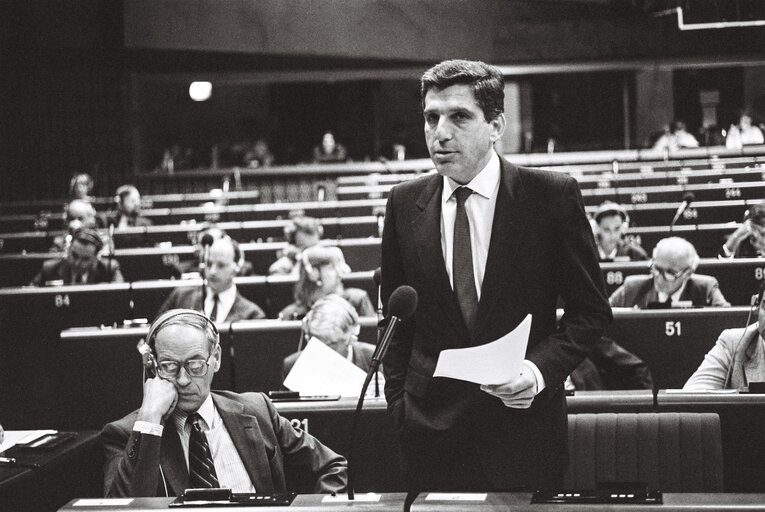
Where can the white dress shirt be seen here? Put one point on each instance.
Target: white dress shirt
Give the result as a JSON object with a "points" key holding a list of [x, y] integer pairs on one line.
{"points": [[479, 208], [226, 300], [675, 296]]}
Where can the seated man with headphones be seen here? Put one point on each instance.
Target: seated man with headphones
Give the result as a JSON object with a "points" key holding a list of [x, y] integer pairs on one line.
{"points": [[128, 214], [185, 436], [221, 302], [736, 360], [611, 222], [301, 233], [81, 265], [671, 282], [334, 321]]}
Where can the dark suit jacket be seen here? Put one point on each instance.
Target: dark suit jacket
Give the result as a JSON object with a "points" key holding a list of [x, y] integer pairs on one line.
{"points": [[638, 291], [268, 445], [610, 366], [541, 248], [138, 221], [362, 357], [191, 298], [106, 271]]}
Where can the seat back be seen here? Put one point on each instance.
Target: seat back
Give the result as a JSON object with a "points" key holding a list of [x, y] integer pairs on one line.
{"points": [[671, 452]]}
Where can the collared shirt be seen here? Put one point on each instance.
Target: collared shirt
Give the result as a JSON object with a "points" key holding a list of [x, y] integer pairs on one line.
{"points": [[610, 256], [675, 296], [479, 207], [226, 300], [228, 464]]}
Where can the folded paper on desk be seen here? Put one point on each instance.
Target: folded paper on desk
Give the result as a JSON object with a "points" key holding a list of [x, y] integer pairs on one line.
{"points": [[493, 363], [14, 437], [319, 370]]}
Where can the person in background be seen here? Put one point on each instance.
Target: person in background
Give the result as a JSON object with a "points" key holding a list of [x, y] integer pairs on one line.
{"points": [[185, 436], [78, 214], [743, 133], [333, 321], [321, 270], [671, 283], [737, 358], [81, 187], [330, 151], [748, 241], [301, 233], [128, 212], [676, 138], [221, 302], [611, 222], [82, 264], [259, 155], [192, 268], [610, 366]]}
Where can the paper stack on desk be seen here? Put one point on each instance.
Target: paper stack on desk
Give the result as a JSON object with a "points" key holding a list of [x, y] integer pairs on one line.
{"points": [[321, 371], [14, 437]]}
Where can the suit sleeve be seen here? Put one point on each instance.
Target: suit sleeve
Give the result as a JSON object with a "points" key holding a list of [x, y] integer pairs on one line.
{"points": [[581, 286], [302, 449], [116, 276], [713, 371], [715, 297], [131, 465]]}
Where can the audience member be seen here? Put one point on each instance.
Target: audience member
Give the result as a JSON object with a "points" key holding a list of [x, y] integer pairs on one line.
{"points": [[333, 321], [676, 137], [259, 154], [672, 282], [221, 301], [748, 241], [737, 358], [301, 233], [78, 214], [743, 133], [329, 151], [611, 222], [81, 187], [82, 264], [192, 268], [128, 212], [609, 366], [321, 270], [240, 440]]}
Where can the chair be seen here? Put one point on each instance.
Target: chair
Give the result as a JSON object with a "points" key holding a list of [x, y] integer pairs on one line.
{"points": [[671, 452]]}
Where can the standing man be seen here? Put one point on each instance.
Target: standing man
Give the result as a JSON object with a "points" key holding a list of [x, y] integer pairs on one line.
{"points": [[481, 260], [184, 436], [221, 301]]}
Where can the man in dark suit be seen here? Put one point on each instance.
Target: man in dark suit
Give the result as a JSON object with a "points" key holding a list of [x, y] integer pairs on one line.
{"points": [[82, 264], [518, 242], [184, 436], [334, 321], [671, 282], [221, 302]]}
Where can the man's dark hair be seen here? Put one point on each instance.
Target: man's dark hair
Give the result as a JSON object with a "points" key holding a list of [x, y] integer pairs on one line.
{"points": [[756, 214], [486, 81], [89, 237]]}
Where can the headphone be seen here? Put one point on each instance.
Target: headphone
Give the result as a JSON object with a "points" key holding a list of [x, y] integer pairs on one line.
{"points": [[757, 299], [304, 224], [146, 345], [88, 236], [349, 316]]}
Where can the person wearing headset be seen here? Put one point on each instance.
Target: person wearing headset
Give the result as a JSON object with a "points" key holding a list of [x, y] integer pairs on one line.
{"points": [[301, 233], [221, 302], [671, 282], [748, 240], [611, 222], [737, 357], [128, 214], [334, 321], [185, 436], [82, 264]]}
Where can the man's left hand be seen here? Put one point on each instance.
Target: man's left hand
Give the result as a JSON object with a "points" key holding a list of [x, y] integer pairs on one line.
{"points": [[517, 393]]}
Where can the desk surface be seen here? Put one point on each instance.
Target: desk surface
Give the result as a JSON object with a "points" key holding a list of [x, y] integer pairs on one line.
{"points": [[492, 502]]}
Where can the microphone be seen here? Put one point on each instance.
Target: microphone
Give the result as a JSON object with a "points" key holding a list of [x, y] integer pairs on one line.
{"points": [[688, 198], [377, 279], [207, 241], [401, 305]]}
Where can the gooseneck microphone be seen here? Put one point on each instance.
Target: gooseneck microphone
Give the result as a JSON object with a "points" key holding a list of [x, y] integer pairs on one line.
{"points": [[401, 305], [207, 241], [688, 198]]}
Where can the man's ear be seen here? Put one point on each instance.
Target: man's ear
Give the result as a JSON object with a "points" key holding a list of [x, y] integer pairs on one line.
{"points": [[217, 352], [498, 125]]}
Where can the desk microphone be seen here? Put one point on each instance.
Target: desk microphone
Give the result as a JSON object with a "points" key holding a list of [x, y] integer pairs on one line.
{"points": [[688, 198], [401, 305]]}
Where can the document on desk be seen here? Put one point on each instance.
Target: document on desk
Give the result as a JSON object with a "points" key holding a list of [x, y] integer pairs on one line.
{"points": [[493, 363], [14, 437], [319, 370]]}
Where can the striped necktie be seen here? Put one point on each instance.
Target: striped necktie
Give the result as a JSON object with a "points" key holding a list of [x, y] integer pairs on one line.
{"points": [[201, 467], [462, 261]]}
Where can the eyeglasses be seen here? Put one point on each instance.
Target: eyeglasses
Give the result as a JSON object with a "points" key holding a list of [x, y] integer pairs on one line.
{"points": [[669, 275], [194, 367]]}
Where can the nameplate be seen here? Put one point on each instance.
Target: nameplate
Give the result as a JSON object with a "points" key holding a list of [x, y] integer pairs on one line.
{"points": [[456, 496], [102, 502]]}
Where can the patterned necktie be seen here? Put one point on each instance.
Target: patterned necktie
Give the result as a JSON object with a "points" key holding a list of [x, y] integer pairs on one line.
{"points": [[201, 467], [462, 261], [214, 312]]}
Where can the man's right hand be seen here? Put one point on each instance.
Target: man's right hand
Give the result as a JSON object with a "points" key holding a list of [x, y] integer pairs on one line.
{"points": [[159, 399]]}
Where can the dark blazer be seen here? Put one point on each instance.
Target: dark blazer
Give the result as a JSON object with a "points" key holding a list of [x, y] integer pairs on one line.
{"points": [[106, 271], [638, 291], [357, 298], [362, 357], [610, 366], [266, 442], [138, 221], [191, 298], [541, 248]]}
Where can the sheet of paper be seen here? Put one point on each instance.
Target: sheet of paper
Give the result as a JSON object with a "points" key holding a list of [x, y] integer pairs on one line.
{"points": [[321, 371], [492, 363], [14, 437]]}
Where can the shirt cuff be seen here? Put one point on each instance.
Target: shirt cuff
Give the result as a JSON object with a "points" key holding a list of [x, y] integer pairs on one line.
{"points": [[540, 380], [144, 427], [725, 252]]}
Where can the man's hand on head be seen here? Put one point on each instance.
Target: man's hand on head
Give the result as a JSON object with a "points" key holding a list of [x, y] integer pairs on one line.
{"points": [[159, 399], [518, 392]]}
